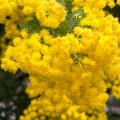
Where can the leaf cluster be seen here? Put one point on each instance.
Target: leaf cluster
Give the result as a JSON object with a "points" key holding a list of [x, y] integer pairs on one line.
{"points": [[67, 26]]}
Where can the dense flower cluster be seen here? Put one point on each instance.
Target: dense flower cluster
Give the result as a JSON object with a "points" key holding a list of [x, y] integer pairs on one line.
{"points": [[69, 73]]}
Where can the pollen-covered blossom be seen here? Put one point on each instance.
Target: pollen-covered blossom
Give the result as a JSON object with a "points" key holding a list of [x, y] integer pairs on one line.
{"points": [[118, 2], [96, 115], [69, 74], [50, 13], [105, 48], [52, 72]]}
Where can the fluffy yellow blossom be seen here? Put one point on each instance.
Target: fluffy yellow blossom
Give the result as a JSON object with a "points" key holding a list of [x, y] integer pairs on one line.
{"points": [[96, 115], [9, 28], [68, 73], [51, 86], [118, 2], [50, 13]]}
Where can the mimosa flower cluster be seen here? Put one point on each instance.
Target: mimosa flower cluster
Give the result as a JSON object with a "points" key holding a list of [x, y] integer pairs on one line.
{"points": [[70, 50]]}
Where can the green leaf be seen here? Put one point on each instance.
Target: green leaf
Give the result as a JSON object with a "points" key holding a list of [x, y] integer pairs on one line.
{"points": [[69, 5], [75, 17], [32, 26], [62, 2], [63, 28]]}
